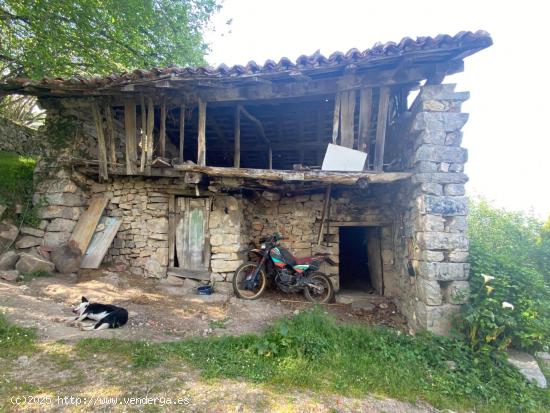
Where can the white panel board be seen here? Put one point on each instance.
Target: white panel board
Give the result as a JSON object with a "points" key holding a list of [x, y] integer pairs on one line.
{"points": [[339, 158]]}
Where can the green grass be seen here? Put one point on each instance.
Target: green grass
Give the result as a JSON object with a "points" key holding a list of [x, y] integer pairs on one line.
{"points": [[14, 340], [16, 183], [314, 352]]}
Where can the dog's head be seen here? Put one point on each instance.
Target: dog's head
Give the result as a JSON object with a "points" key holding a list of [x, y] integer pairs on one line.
{"points": [[80, 308]]}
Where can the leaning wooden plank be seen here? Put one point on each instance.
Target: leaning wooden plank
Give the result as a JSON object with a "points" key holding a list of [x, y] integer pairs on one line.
{"points": [[182, 130], [201, 138], [111, 140], [237, 150], [130, 130], [101, 147], [365, 110], [143, 134], [347, 119], [150, 127], [336, 118], [86, 225], [101, 241], [381, 128], [162, 133]]}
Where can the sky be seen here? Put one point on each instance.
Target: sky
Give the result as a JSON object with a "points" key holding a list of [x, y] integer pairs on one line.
{"points": [[507, 135]]}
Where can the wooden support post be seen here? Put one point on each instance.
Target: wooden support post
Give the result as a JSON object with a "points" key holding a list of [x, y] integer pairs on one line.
{"points": [[325, 208], [171, 229], [270, 158], [336, 118], [162, 133], [144, 144], [150, 126], [347, 110], [383, 108], [101, 147], [182, 130], [111, 150], [237, 154], [130, 132], [365, 111], [201, 138]]}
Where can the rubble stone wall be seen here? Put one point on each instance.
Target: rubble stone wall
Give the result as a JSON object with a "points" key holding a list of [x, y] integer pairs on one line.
{"points": [[18, 138], [434, 218]]}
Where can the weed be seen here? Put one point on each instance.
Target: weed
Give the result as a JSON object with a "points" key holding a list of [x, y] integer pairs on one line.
{"points": [[14, 340], [218, 323]]}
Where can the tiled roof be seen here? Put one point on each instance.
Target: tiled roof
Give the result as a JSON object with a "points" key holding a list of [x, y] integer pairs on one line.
{"points": [[442, 47]]}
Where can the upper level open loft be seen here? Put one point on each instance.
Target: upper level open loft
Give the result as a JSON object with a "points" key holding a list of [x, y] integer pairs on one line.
{"points": [[271, 122]]}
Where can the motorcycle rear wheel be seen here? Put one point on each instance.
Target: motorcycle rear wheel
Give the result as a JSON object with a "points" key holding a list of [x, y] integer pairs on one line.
{"points": [[313, 295], [239, 279]]}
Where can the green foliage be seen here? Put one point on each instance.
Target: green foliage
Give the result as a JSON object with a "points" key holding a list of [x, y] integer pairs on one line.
{"points": [[16, 185], [512, 306], [89, 37], [15, 340], [543, 255], [314, 351]]}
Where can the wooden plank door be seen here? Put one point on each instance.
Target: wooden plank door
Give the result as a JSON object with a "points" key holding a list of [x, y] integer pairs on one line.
{"points": [[374, 252], [192, 241]]}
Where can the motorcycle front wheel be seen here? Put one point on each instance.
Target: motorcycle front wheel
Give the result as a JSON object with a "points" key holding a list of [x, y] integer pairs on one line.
{"points": [[323, 292], [243, 285]]}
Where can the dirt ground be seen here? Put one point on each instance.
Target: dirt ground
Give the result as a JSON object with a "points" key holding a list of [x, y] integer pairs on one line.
{"points": [[159, 311]]}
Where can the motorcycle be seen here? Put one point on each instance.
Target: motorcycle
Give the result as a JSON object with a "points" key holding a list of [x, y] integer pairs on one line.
{"points": [[289, 273]]}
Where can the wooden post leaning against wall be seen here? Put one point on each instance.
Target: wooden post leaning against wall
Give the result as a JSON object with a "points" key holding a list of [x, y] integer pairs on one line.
{"points": [[201, 138], [365, 112], [143, 134], [383, 109], [101, 147], [162, 133], [237, 154], [150, 126], [182, 131], [336, 118], [111, 139], [130, 133]]}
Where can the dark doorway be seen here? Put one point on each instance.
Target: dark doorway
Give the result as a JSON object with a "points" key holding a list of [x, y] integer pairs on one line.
{"points": [[360, 259]]}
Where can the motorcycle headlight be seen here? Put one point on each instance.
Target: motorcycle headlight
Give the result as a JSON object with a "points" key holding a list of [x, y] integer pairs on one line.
{"points": [[262, 246]]}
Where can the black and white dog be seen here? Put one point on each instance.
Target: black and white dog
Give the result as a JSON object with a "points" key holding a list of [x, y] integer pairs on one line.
{"points": [[106, 315]]}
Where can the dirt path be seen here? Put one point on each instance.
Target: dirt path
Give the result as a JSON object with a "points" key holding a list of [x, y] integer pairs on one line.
{"points": [[158, 312]]}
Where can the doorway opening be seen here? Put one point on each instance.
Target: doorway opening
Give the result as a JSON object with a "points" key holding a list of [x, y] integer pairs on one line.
{"points": [[360, 265]]}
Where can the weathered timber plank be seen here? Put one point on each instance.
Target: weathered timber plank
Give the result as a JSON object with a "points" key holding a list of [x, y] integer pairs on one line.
{"points": [[101, 147], [347, 127], [111, 139], [143, 134], [381, 128], [162, 132], [201, 138], [171, 229], [365, 111], [182, 131], [150, 127], [237, 153], [324, 214], [130, 133], [336, 118], [86, 225]]}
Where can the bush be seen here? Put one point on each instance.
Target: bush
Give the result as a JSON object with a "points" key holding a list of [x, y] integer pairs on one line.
{"points": [[510, 300], [16, 185]]}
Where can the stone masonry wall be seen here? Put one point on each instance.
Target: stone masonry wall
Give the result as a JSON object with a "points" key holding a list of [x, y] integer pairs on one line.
{"points": [[435, 220], [18, 138]]}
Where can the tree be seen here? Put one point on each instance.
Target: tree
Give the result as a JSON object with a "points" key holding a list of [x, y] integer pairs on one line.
{"points": [[98, 37]]}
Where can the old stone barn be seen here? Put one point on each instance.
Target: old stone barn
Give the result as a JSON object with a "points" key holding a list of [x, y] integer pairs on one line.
{"points": [[195, 165]]}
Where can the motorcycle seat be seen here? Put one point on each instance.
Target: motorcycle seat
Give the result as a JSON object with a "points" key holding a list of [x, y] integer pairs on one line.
{"points": [[303, 260]]}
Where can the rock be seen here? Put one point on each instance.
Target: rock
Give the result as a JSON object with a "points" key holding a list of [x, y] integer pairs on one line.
{"points": [[271, 196], [22, 360], [157, 226], [440, 153], [35, 232], [223, 287], [8, 260], [114, 280], [28, 241], [443, 271], [58, 211], [67, 258], [528, 367], [55, 239], [61, 225], [8, 234], [362, 305], [544, 358], [10, 275], [29, 263], [429, 291], [225, 265], [457, 292], [444, 205], [190, 284], [64, 198]]}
